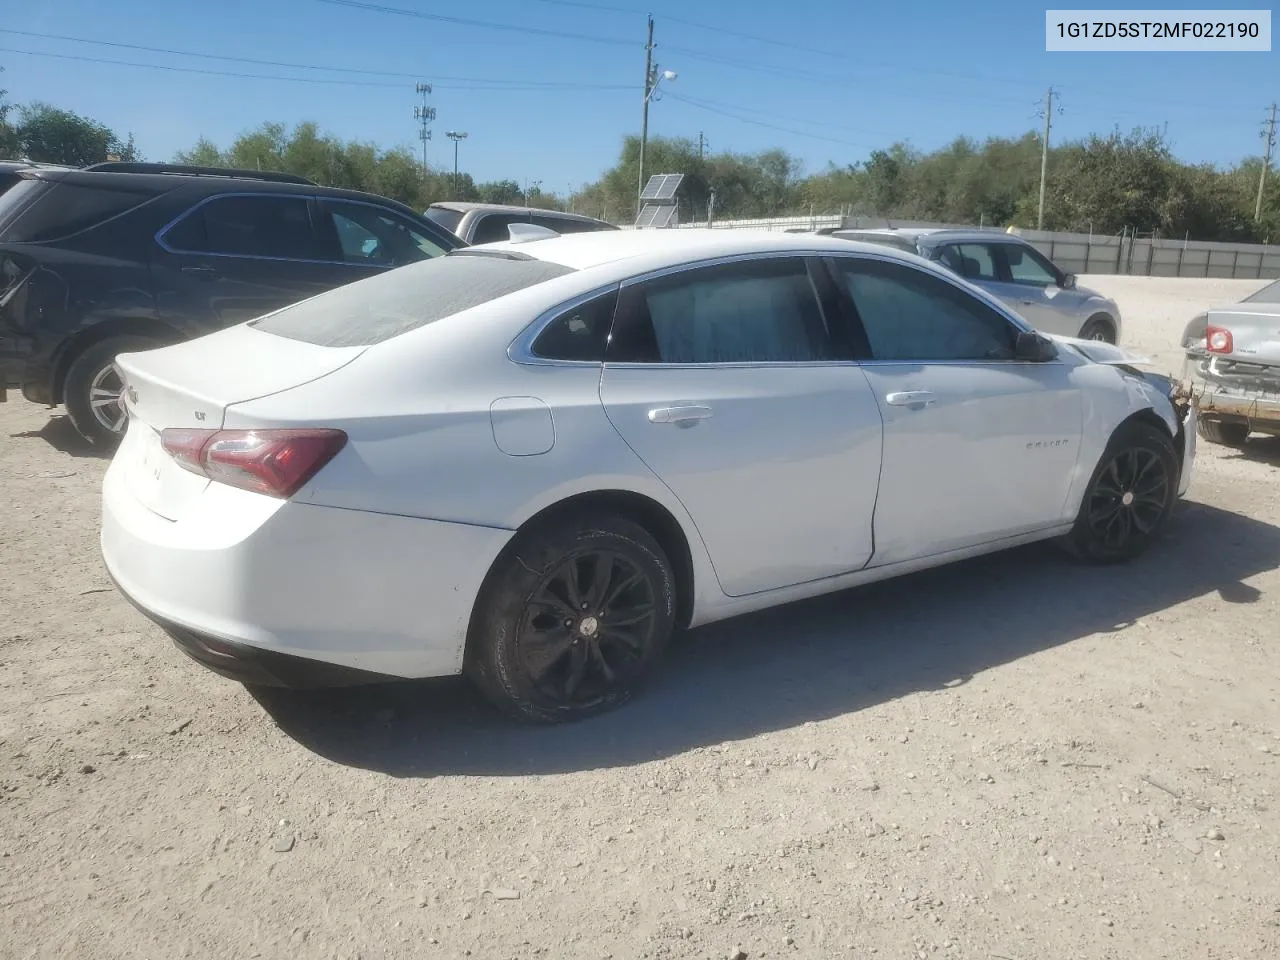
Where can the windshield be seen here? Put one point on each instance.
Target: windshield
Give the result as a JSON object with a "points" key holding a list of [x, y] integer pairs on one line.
{"points": [[1268, 294]]}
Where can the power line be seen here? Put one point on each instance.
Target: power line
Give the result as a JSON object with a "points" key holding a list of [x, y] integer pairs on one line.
{"points": [[486, 24], [704, 105], [472, 83]]}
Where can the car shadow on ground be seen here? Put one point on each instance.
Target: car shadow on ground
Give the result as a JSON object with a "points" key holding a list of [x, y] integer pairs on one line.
{"points": [[60, 434], [1260, 450], [806, 661]]}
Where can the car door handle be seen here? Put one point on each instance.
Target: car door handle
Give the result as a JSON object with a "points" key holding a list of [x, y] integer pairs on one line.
{"points": [[687, 413], [202, 272], [910, 398], [1027, 302]]}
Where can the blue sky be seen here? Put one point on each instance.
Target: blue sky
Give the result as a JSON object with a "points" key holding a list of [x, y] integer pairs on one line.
{"points": [[840, 78]]}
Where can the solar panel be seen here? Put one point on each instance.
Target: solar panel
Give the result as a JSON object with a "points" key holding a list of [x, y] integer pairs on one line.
{"points": [[662, 186], [655, 215]]}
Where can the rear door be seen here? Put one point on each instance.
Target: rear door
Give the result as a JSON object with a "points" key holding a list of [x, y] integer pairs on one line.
{"points": [[726, 381], [233, 257], [978, 446]]}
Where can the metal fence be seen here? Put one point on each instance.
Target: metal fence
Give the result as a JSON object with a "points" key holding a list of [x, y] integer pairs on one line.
{"points": [[1131, 253]]}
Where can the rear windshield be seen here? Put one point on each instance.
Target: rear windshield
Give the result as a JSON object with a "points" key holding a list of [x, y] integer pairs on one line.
{"points": [[449, 219], [36, 210], [1268, 294], [884, 240], [400, 300]]}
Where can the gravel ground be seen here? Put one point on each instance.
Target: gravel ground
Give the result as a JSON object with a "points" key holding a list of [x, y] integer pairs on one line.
{"points": [[1012, 758]]}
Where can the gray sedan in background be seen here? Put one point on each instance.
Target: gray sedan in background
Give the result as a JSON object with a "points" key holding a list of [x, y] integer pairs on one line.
{"points": [[1233, 367], [1012, 270]]}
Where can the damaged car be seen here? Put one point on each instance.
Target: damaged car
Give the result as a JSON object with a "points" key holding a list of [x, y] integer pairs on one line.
{"points": [[1232, 368]]}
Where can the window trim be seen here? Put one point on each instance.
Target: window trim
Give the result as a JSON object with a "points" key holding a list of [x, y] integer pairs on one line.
{"points": [[310, 199], [832, 259]]}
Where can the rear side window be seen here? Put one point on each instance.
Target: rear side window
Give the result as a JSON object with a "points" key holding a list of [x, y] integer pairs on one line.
{"points": [[754, 311], [36, 210], [385, 306], [372, 235], [247, 226], [580, 333]]}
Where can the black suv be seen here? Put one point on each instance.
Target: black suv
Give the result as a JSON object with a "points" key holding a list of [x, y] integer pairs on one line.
{"points": [[130, 256]]}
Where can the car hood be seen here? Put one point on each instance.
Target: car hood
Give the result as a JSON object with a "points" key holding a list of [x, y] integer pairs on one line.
{"points": [[1098, 351]]}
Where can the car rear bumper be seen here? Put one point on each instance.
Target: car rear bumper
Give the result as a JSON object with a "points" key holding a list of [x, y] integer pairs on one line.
{"points": [[296, 594], [1252, 400]]}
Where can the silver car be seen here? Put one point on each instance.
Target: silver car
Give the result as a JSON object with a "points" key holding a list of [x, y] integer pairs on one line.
{"points": [[1233, 367], [478, 223], [1013, 271]]}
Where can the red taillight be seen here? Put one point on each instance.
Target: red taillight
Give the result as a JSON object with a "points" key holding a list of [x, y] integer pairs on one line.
{"points": [[1218, 340], [274, 462]]}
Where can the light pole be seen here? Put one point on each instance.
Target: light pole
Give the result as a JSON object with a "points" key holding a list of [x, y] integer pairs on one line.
{"points": [[455, 136], [653, 75]]}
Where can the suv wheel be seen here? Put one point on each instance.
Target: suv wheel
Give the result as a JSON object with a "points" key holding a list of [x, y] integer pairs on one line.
{"points": [[91, 391]]}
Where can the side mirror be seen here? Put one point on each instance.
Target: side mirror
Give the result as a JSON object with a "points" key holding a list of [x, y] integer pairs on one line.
{"points": [[1069, 282], [1032, 347]]}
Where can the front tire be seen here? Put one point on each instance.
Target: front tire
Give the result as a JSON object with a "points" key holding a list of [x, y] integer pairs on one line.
{"points": [[1099, 327], [573, 620], [91, 391], [1222, 432], [1129, 497]]}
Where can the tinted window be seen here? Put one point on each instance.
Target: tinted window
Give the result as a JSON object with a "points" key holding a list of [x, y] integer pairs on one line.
{"points": [[389, 304], [910, 315], [1027, 266], [579, 333], [758, 311], [973, 261], [492, 228], [884, 239], [449, 219], [369, 234], [36, 210], [248, 226], [570, 225], [1268, 294]]}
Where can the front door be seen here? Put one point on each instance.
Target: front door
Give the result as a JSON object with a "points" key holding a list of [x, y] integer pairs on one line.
{"points": [[725, 381], [977, 446], [235, 257]]}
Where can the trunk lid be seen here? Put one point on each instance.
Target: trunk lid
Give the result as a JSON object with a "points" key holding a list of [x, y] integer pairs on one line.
{"points": [[191, 385], [1255, 332]]}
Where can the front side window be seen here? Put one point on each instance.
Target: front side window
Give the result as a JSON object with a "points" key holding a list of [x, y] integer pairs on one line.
{"points": [[1028, 267], [369, 234], [756, 311], [247, 226], [911, 315]]}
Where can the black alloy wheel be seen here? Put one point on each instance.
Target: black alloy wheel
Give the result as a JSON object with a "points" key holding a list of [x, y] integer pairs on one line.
{"points": [[1129, 497], [572, 620]]}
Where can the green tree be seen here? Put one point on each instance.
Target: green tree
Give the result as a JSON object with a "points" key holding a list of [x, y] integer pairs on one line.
{"points": [[53, 135]]}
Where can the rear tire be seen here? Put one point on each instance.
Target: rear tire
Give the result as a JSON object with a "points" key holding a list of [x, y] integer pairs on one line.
{"points": [[572, 620], [1129, 497], [1099, 327], [1222, 432], [90, 382]]}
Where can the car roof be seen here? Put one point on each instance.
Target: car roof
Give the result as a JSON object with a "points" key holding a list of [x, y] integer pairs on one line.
{"points": [[467, 206], [159, 183], [935, 233], [658, 249]]}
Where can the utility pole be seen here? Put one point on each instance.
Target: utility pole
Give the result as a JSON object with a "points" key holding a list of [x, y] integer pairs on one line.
{"points": [[455, 136], [644, 126], [1269, 139], [424, 115], [1044, 153], [702, 144]]}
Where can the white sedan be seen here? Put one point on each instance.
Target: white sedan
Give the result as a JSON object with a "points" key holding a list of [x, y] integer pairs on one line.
{"points": [[529, 462]]}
